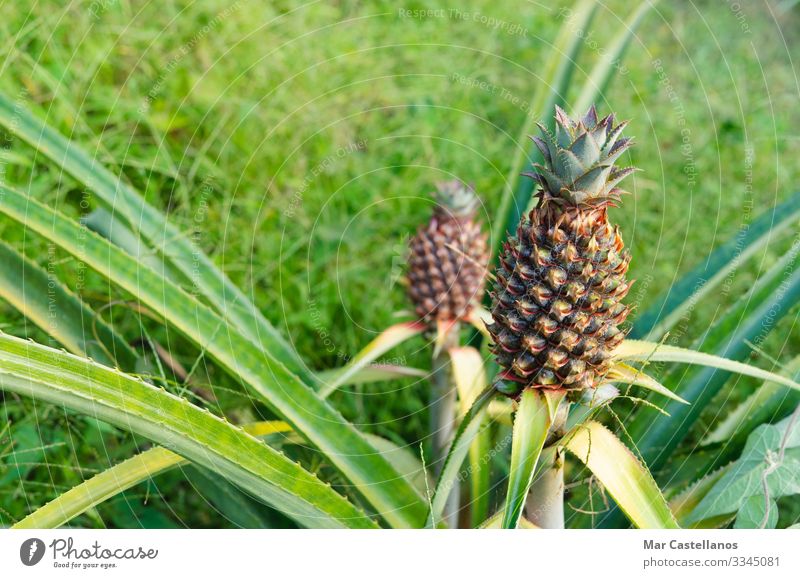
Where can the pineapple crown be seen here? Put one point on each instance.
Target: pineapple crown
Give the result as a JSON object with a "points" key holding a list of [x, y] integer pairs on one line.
{"points": [[455, 199], [579, 160]]}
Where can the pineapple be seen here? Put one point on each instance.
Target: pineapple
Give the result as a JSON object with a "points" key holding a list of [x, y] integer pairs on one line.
{"points": [[557, 306], [448, 257]]}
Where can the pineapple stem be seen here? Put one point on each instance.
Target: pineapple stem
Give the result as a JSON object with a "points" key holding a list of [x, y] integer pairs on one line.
{"points": [[545, 503], [443, 417]]}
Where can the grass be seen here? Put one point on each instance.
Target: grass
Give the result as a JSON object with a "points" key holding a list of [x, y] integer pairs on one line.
{"points": [[298, 146]]}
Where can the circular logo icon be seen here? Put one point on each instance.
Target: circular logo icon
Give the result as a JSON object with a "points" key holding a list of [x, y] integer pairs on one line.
{"points": [[31, 552]]}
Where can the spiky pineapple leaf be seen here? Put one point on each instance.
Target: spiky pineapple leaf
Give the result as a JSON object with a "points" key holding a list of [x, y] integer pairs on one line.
{"points": [[295, 402], [531, 424], [103, 222], [371, 373], [594, 179], [388, 339], [101, 487], [623, 373], [150, 223], [41, 297], [686, 501], [58, 377], [624, 477], [613, 137], [568, 164], [586, 150], [683, 295], [119, 478], [646, 351]]}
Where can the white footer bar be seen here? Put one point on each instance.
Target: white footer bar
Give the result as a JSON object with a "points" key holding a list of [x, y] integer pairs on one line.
{"points": [[407, 554]]}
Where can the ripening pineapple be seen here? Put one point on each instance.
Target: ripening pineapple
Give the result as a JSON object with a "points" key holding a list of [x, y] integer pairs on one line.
{"points": [[448, 257], [557, 304]]}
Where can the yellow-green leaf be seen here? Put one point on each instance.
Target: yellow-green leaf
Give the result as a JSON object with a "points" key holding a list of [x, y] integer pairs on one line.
{"points": [[531, 424], [624, 373], [646, 351], [387, 340], [470, 377], [624, 476]]}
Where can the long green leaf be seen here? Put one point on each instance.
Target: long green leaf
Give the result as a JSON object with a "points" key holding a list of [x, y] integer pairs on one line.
{"points": [[749, 320], [550, 91], [624, 374], [678, 300], [177, 248], [340, 442], [531, 424], [625, 478], [610, 59], [79, 384], [41, 297], [683, 504], [117, 479], [387, 340], [372, 373], [768, 403], [470, 377], [465, 434], [102, 222], [634, 350], [101, 487]]}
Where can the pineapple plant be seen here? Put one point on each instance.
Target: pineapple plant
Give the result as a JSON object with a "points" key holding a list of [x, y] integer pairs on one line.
{"points": [[557, 303], [448, 257], [447, 269]]}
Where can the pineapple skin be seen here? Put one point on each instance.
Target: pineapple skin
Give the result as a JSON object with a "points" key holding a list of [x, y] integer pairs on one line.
{"points": [[448, 258], [557, 303]]}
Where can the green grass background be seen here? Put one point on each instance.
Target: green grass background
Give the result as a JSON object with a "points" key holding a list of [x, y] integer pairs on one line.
{"points": [[298, 142]]}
